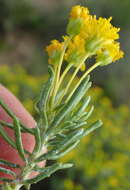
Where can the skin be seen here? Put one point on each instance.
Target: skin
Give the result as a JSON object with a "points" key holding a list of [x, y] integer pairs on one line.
{"points": [[6, 151]]}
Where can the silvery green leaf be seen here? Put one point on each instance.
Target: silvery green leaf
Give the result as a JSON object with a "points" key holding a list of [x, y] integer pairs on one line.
{"points": [[44, 96], [6, 163], [74, 100], [7, 171], [46, 172], [18, 139]]}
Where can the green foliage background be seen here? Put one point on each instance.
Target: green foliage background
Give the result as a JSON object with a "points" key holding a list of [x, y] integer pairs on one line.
{"points": [[26, 27], [102, 159]]}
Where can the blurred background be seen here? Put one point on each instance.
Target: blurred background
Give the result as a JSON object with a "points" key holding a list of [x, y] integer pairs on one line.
{"points": [[102, 161]]}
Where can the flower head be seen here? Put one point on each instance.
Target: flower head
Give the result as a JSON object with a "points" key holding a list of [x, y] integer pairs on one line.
{"points": [[89, 36], [54, 46], [76, 51], [77, 16], [98, 32], [114, 51], [54, 50], [109, 53], [96, 35], [100, 28]]}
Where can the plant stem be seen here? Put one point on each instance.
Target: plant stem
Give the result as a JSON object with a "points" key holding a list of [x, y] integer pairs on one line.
{"points": [[86, 73], [64, 73], [73, 76], [59, 70]]}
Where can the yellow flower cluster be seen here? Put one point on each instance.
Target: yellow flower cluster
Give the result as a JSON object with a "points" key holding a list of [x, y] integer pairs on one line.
{"points": [[99, 28], [88, 36], [97, 35]]}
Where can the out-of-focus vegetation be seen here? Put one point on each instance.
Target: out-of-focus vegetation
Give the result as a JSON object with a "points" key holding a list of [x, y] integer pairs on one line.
{"points": [[23, 85], [26, 26], [102, 159]]}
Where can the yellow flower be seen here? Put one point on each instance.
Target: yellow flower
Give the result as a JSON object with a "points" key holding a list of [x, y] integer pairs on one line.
{"points": [[98, 32], [97, 35], [99, 28], [78, 15], [77, 44], [54, 51], [114, 51], [89, 36], [79, 12], [76, 51], [109, 53], [54, 46], [93, 27]]}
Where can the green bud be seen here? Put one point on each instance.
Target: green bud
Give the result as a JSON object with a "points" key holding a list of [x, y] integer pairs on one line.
{"points": [[74, 26]]}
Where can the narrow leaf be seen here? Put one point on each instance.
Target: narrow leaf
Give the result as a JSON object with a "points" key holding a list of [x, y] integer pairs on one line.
{"points": [[42, 103], [93, 126], [74, 126], [13, 116], [6, 180], [71, 138], [84, 104], [18, 139], [75, 99], [5, 107], [64, 152], [45, 91], [88, 114], [6, 163], [37, 141], [23, 128], [46, 172], [7, 171], [6, 137]]}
